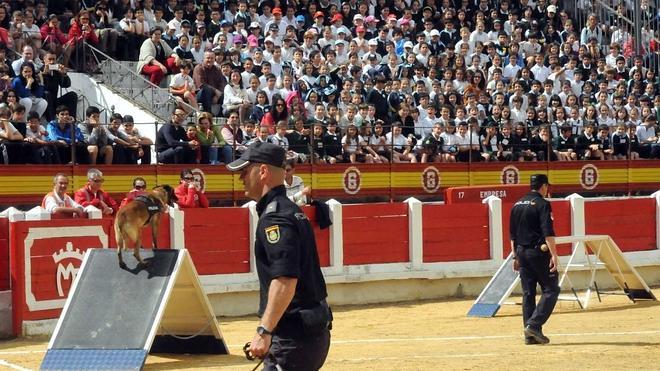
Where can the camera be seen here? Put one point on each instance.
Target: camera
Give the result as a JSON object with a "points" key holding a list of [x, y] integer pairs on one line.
{"points": [[54, 67]]}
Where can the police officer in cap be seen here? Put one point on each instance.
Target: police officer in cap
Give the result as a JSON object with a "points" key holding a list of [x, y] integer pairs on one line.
{"points": [[294, 332], [535, 257]]}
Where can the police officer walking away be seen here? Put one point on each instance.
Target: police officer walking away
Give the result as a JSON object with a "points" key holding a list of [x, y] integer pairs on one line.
{"points": [[535, 257], [295, 318]]}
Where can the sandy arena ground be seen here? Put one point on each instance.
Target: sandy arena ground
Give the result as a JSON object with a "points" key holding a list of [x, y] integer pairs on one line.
{"points": [[431, 335]]}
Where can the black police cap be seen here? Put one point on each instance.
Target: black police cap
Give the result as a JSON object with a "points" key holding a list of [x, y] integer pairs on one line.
{"points": [[259, 152], [538, 180]]}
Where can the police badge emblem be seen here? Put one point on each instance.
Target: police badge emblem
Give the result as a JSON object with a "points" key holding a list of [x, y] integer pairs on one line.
{"points": [[273, 233]]}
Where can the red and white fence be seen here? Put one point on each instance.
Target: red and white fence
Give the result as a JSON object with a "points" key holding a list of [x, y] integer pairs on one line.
{"points": [[367, 242]]}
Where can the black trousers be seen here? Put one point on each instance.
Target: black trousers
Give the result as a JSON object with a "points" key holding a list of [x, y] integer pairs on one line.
{"points": [[177, 155], [300, 353], [534, 269]]}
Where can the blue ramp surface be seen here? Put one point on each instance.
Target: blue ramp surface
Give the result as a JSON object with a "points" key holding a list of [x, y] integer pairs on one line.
{"points": [[499, 287], [110, 314]]}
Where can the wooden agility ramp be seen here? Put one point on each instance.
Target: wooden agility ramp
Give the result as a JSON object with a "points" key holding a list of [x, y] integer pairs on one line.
{"points": [[599, 251]]}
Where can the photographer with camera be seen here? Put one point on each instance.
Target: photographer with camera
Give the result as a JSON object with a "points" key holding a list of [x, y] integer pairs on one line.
{"points": [[55, 77], [81, 32]]}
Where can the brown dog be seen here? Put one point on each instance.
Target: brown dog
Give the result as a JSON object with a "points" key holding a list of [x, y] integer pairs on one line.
{"points": [[137, 214]]}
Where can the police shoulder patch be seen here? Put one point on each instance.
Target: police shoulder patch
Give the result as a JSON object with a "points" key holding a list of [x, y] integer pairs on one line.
{"points": [[273, 233]]}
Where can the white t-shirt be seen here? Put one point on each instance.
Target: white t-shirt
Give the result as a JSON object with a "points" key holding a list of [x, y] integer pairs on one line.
{"points": [[180, 79], [294, 190], [353, 145]]}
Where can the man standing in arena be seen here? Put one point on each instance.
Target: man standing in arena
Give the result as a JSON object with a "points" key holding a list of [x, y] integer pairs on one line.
{"points": [[294, 333], [535, 257]]}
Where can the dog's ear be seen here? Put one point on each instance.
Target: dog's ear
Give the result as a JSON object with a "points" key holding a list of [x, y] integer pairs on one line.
{"points": [[171, 197]]}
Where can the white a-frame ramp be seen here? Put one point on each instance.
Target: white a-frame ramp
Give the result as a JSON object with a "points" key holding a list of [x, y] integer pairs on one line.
{"points": [[114, 316]]}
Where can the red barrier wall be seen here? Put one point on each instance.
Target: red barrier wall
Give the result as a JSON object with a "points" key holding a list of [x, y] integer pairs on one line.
{"points": [[455, 232], [49, 252], [4, 254], [375, 233], [630, 223], [218, 239], [561, 214]]}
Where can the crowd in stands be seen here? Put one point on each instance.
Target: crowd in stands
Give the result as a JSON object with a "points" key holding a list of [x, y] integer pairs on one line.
{"points": [[364, 81]]}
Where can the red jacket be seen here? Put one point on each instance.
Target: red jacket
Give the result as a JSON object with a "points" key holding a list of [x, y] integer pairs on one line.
{"points": [[84, 196], [50, 34], [190, 197], [75, 33]]}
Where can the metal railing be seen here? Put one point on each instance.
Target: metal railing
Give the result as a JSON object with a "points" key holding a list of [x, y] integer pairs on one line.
{"points": [[616, 15], [122, 78]]}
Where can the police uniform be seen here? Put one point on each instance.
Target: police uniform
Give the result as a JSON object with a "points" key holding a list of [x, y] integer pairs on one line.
{"points": [[530, 224], [285, 247]]}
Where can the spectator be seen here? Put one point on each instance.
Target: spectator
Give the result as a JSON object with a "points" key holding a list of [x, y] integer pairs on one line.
{"points": [[275, 115], [234, 136], [81, 32], [67, 136], [91, 194], [136, 31], [10, 139], [55, 77], [53, 39], [28, 89], [648, 147], [135, 136], [57, 202], [402, 147], [96, 137], [235, 96], [215, 149], [139, 189], [182, 86], [124, 149], [172, 143], [38, 149], [189, 192], [156, 58], [296, 190], [210, 82], [26, 56], [104, 29]]}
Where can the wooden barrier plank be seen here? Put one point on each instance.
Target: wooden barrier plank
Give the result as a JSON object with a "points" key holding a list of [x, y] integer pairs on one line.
{"points": [[375, 233], [630, 222], [218, 239], [448, 238], [322, 236]]}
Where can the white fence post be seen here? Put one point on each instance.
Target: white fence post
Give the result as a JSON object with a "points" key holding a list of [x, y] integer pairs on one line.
{"points": [[177, 226], [578, 226], [415, 232], [254, 219], [336, 236], [495, 228]]}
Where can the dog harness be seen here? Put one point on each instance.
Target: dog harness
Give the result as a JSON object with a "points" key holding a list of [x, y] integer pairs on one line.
{"points": [[152, 207]]}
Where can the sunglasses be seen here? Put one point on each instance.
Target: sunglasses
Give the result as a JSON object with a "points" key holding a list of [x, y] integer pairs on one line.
{"points": [[188, 178], [140, 187], [98, 180]]}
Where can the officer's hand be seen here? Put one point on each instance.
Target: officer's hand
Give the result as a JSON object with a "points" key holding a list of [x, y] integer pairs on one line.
{"points": [[516, 265], [553, 263], [260, 345]]}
